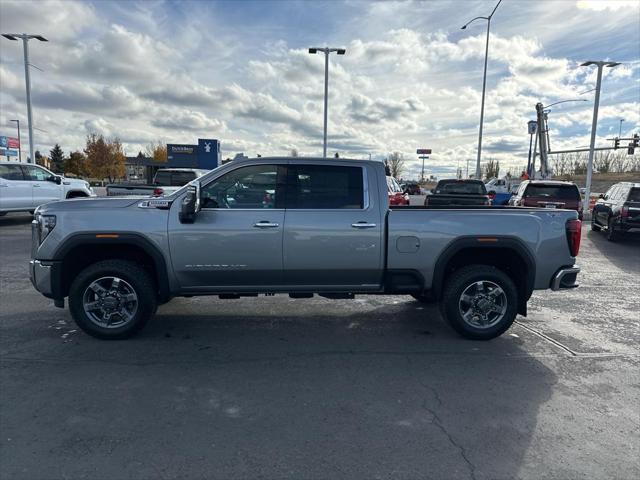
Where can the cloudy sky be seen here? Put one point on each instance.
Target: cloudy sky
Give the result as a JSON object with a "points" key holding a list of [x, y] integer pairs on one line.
{"points": [[239, 71]]}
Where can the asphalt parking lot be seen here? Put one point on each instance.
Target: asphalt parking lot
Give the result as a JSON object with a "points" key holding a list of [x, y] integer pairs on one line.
{"points": [[377, 387]]}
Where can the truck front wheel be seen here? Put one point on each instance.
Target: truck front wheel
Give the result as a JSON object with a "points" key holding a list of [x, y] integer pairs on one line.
{"points": [[112, 299], [480, 302]]}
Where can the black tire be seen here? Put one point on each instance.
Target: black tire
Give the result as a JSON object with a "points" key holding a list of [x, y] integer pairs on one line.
{"points": [[137, 278], [423, 298], [594, 226], [612, 235], [459, 281]]}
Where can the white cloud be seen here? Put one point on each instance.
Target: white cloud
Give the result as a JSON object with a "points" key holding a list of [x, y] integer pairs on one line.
{"points": [[600, 5], [410, 77]]}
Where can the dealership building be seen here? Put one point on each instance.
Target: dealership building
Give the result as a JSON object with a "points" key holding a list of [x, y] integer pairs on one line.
{"points": [[205, 154]]}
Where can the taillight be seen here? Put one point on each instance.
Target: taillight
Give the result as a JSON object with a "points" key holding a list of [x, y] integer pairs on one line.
{"points": [[158, 192], [426, 201], [574, 232], [492, 196], [624, 213]]}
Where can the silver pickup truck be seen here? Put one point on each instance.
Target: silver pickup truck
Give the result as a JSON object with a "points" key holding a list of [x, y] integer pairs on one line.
{"points": [[302, 227]]}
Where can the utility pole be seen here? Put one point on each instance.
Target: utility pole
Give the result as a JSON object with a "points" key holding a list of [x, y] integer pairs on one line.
{"points": [[484, 81], [531, 126], [326, 51], [542, 138], [25, 43], [594, 127]]}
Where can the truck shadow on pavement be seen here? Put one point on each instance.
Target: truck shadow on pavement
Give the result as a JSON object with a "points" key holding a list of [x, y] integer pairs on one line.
{"points": [[366, 389], [624, 253]]}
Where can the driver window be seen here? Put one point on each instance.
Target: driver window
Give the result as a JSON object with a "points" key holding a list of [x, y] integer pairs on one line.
{"points": [[246, 187], [35, 173]]}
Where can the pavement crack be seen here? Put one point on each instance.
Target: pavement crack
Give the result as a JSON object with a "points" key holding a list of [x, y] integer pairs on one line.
{"points": [[435, 420]]}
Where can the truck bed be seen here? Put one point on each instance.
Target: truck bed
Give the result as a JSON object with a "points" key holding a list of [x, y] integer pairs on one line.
{"points": [[418, 236]]}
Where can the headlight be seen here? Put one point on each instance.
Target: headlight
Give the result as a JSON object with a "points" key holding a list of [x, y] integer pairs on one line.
{"points": [[46, 223]]}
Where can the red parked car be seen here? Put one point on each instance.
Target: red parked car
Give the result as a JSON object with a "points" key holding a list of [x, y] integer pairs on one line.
{"points": [[548, 194], [396, 197]]}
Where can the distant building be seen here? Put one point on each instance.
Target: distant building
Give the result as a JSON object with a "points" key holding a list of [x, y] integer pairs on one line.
{"points": [[205, 154]]}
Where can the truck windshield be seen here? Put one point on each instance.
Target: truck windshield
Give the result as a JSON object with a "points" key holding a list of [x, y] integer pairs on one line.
{"points": [[559, 192], [462, 188]]}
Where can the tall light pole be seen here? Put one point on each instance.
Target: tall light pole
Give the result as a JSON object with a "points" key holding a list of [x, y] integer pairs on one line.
{"points": [[25, 43], [620, 128], [326, 51], [484, 81], [19, 141], [594, 125]]}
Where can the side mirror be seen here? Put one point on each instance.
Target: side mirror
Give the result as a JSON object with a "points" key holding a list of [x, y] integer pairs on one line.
{"points": [[433, 190], [601, 196], [57, 179], [190, 203]]}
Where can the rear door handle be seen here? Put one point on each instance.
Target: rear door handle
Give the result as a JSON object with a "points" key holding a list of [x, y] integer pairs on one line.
{"points": [[363, 225], [266, 224]]}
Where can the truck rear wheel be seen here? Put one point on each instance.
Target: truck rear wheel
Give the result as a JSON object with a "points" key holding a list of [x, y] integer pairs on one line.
{"points": [[480, 302], [112, 299]]}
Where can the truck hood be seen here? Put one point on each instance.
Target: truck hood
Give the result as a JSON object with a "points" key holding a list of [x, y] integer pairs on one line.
{"points": [[75, 182], [88, 203]]}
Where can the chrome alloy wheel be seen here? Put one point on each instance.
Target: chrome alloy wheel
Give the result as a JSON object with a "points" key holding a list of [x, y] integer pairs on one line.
{"points": [[482, 304], [110, 302]]}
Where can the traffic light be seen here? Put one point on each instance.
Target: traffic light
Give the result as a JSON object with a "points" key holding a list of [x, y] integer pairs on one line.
{"points": [[616, 143], [634, 144]]}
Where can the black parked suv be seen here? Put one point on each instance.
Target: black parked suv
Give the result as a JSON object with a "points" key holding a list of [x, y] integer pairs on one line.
{"points": [[618, 210]]}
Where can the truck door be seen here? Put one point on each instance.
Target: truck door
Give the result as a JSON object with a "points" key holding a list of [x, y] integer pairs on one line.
{"points": [[43, 189], [333, 233], [15, 191], [236, 239]]}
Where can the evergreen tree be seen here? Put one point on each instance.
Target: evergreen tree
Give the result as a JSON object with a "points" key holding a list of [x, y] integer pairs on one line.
{"points": [[56, 155]]}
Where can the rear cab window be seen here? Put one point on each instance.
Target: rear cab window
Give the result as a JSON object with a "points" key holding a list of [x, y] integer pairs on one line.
{"points": [[455, 187], [634, 195], [11, 172], [179, 179], [324, 187], [558, 192], [163, 177]]}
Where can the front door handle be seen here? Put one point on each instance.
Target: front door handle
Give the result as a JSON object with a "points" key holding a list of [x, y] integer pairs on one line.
{"points": [[266, 224], [363, 225], [36, 185]]}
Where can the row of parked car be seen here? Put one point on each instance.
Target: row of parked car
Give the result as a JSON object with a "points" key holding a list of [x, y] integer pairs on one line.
{"points": [[617, 211]]}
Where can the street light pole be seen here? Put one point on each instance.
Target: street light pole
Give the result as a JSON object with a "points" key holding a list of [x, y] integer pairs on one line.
{"points": [[326, 51], [484, 81], [594, 125], [620, 128], [25, 43], [19, 141]]}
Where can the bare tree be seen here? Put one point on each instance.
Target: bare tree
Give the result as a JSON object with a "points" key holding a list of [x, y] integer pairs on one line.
{"points": [[294, 152], [396, 164]]}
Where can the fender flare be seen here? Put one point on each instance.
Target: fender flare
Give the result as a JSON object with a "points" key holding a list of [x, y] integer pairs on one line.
{"points": [[497, 242], [123, 238]]}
